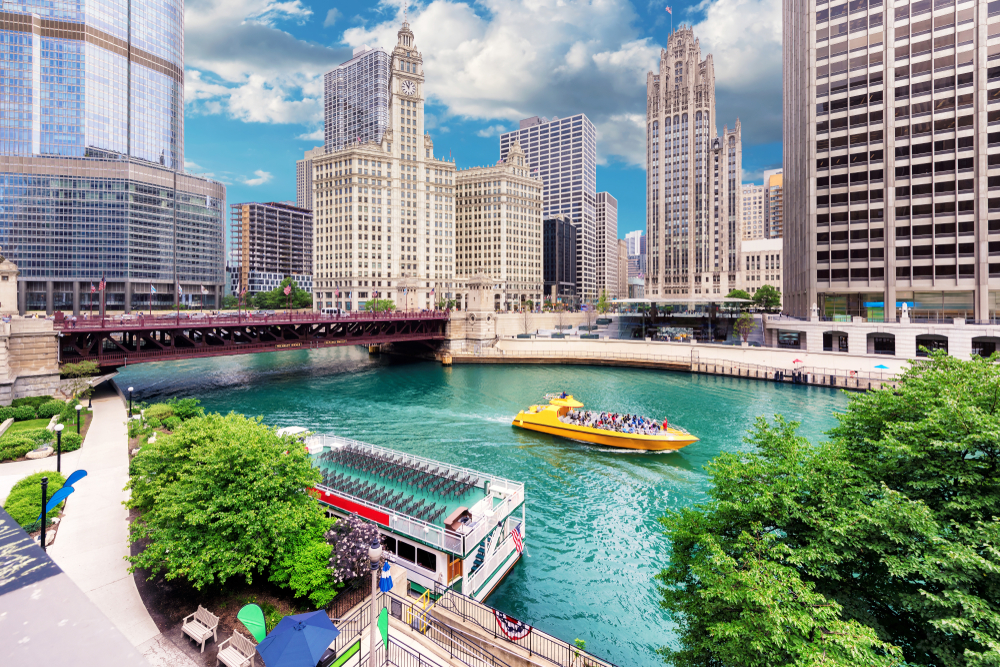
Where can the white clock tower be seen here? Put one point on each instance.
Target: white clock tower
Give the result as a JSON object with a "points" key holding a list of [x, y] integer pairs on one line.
{"points": [[406, 103]]}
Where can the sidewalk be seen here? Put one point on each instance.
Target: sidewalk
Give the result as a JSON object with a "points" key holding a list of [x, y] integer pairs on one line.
{"points": [[92, 542]]}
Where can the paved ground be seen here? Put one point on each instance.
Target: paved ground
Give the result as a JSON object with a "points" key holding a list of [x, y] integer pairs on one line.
{"points": [[92, 541]]}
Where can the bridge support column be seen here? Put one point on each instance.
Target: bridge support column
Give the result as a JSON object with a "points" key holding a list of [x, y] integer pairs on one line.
{"points": [[48, 297], [128, 296], [76, 298], [22, 297]]}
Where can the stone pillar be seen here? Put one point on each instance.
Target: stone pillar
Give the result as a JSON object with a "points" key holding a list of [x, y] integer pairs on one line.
{"points": [[960, 342], [22, 299], [76, 304], [857, 340], [48, 300], [814, 341], [906, 342], [128, 301]]}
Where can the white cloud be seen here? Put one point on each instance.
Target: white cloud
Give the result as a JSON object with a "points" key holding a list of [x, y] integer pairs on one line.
{"points": [[744, 38], [328, 22], [315, 135], [262, 178], [492, 131], [191, 166]]}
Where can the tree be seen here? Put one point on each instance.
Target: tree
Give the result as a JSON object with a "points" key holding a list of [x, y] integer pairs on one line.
{"points": [[78, 373], [380, 306], [222, 498], [230, 301], [525, 320], [351, 538], [745, 326], [602, 302], [767, 297], [881, 546], [276, 298], [739, 294]]}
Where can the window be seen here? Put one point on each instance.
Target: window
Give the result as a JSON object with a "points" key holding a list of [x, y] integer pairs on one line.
{"points": [[390, 543], [427, 560], [407, 552]]}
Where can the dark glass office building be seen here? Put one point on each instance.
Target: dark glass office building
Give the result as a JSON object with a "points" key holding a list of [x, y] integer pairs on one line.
{"points": [[559, 261]]}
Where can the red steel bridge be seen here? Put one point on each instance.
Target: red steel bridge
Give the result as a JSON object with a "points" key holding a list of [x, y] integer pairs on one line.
{"points": [[131, 339]]}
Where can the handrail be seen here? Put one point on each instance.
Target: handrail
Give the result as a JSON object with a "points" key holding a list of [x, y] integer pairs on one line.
{"points": [[143, 322]]}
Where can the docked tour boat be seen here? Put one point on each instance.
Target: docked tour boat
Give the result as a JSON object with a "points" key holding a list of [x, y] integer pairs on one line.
{"points": [[560, 418]]}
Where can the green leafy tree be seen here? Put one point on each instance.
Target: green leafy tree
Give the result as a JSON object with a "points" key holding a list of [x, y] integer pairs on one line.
{"points": [[230, 301], [881, 546], [79, 374], [767, 297], [276, 298], [380, 306], [745, 326], [222, 497], [603, 304]]}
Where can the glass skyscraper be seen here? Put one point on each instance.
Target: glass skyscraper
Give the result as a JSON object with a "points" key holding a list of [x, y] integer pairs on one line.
{"points": [[565, 153], [356, 99], [92, 155]]}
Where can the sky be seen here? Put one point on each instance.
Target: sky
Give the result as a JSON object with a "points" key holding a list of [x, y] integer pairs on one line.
{"points": [[254, 79]]}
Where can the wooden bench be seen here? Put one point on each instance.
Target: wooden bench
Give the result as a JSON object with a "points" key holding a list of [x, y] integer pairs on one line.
{"points": [[239, 652], [201, 625]]}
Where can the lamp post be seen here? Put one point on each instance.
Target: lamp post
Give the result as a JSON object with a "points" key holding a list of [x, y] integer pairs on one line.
{"points": [[130, 402], [79, 409], [45, 500], [375, 556], [59, 430]]}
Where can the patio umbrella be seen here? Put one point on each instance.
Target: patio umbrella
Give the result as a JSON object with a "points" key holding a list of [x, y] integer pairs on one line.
{"points": [[253, 618], [385, 581], [797, 361], [882, 367], [298, 641]]}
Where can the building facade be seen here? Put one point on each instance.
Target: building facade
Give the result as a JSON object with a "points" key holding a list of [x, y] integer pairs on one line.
{"points": [[270, 242], [385, 212], [499, 228], [849, 248], [761, 264], [694, 184], [622, 287], [606, 216], [755, 206], [635, 242], [559, 270], [775, 217], [565, 153], [91, 159], [356, 99], [303, 178]]}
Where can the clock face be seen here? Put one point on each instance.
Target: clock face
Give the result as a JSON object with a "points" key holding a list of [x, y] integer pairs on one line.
{"points": [[409, 88]]}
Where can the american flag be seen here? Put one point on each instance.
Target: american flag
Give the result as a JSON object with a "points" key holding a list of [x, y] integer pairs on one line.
{"points": [[92, 288], [104, 284], [515, 533], [670, 11]]}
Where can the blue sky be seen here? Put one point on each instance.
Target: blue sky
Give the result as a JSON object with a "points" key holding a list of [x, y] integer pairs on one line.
{"points": [[254, 83]]}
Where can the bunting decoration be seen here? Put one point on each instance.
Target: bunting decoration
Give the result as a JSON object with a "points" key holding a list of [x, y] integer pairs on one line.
{"points": [[512, 628]]}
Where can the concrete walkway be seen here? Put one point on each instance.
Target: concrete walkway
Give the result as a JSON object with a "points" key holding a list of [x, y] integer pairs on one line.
{"points": [[92, 541]]}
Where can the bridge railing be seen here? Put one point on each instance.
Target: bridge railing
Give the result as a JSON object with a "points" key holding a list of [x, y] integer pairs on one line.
{"points": [[142, 321]]}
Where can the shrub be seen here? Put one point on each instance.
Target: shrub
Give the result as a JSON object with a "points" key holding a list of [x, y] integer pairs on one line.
{"points": [[6, 413], [15, 446], [158, 411], [23, 413], [154, 423], [33, 401], [50, 408], [71, 442], [186, 408], [68, 413], [24, 503], [171, 423]]}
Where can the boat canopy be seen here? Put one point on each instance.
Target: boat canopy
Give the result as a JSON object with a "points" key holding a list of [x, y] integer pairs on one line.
{"points": [[568, 402]]}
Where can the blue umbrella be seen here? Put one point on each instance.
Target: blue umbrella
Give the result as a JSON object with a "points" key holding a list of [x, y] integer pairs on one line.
{"points": [[885, 368], [298, 641], [385, 581]]}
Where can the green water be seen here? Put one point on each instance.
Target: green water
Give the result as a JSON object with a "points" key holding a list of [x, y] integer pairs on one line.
{"points": [[592, 537]]}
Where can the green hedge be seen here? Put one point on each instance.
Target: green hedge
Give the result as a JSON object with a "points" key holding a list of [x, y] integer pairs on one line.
{"points": [[71, 441], [33, 401], [171, 423], [50, 408], [15, 447], [24, 503], [20, 413], [158, 412]]}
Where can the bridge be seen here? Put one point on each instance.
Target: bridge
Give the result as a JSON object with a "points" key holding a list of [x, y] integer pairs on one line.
{"points": [[132, 339]]}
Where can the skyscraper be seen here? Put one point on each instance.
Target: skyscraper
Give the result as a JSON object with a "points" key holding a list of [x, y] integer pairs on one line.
{"points": [[754, 202], [850, 247], [303, 178], [636, 242], [606, 214], [774, 217], [565, 154], [268, 243], [693, 211], [384, 210], [356, 99], [92, 157]]}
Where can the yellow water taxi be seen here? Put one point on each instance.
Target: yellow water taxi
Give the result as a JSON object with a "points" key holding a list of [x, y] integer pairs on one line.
{"points": [[560, 417]]}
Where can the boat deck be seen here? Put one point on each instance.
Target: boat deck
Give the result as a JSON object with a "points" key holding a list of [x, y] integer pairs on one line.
{"points": [[416, 488]]}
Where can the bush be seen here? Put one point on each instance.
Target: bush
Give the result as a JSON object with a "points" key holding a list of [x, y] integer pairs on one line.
{"points": [[33, 401], [15, 446], [24, 503], [158, 412], [154, 423], [68, 413], [71, 442], [6, 413], [50, 408], [23, 413], [186, 408], [171, 423]]}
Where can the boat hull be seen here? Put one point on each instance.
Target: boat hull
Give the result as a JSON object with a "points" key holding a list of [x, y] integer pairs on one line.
{"points": [[545, 422]]}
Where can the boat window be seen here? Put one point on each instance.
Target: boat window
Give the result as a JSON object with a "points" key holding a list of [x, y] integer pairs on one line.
{"points": [[389, 542], [427, 559], [407, 552]]}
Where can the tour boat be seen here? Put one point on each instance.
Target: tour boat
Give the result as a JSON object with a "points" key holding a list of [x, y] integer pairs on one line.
{"points": [[554, 418]]}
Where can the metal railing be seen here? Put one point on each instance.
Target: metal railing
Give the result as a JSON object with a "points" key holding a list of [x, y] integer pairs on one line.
{"points": [[145, 321], [537, 643]]}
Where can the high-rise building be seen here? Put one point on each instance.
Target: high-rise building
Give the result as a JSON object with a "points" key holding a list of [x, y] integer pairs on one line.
{"points": [[268, 243], [849, 248], [636, 242], [693, 214], [499, 228], [761, 264], [565, 153], [356, 99], [774, 217], [559, 270], [755, 206], [622, 288], [303, 178], [606, 215], [92, 158], [384, 211]]}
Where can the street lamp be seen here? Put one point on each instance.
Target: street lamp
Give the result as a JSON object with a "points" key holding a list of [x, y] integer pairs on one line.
{"points": [[79, 408], [59, 430], [375, 556], [130, 402]]}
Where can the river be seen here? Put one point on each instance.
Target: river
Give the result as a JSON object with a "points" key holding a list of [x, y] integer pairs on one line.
{"points": [[593, 542]]}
